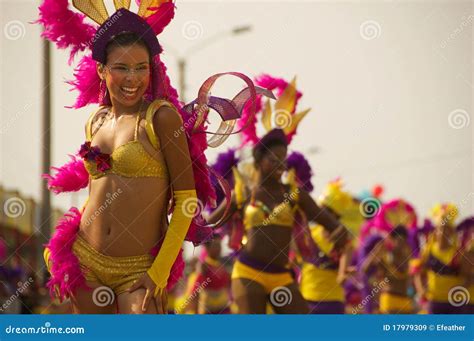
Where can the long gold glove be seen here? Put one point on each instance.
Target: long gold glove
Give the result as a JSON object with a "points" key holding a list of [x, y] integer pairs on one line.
{"points": [[46, 256], [185, 207]]}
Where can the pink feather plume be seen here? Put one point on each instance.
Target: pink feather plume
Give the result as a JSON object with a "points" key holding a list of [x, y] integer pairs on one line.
{"points": [[70, 177], [66, 275], [86, 82], [162, 17], [64, 27], [249, 135]]}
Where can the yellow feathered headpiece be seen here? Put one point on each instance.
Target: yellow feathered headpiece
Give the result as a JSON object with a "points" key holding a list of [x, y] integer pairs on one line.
{"points": [[444, 214], [343, 204], [280, 114]]}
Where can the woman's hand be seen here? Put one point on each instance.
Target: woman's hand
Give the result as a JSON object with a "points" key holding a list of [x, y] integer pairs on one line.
{"points": [[351, 273], [161, 299]]}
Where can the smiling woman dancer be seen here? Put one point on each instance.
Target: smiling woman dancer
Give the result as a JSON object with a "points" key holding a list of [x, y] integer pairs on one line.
{"points": [[268, 211], [135, 159]]}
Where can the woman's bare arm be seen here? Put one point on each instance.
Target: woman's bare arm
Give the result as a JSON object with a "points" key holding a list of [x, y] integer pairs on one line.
{"points": [[175, 148], [339, 233], [220, 210]]}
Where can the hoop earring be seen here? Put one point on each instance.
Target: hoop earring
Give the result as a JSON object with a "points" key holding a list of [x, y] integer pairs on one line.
{"points": [[102, 92]]}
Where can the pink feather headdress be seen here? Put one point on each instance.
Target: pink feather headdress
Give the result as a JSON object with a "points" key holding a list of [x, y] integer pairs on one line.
{"points": [[282, 116]]}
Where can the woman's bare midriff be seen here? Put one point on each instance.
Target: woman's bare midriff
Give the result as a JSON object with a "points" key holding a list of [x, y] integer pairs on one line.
{"points": [[269, 244], [124, 216]]}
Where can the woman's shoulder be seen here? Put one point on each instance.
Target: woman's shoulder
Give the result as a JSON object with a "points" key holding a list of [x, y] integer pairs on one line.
{"points": [[162, 114], [94, 118]]}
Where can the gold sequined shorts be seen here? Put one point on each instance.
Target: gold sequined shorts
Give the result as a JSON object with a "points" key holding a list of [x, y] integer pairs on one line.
{"points": [[117, 273]]}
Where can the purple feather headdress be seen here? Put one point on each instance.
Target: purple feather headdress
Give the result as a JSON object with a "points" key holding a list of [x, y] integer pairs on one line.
{"points": [[223, 166], [303, 170]]}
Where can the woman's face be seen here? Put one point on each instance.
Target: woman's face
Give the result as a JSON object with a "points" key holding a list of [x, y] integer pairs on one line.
{"points": [[127, 74], [273, 163]]}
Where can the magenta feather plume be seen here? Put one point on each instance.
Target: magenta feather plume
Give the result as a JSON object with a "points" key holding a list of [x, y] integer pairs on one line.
{"points": [[66, 275], [249, 135], [199, 232], [204, 189], [277, 84], [86, 82], [162, 17], [64, 27], [70, 177]]}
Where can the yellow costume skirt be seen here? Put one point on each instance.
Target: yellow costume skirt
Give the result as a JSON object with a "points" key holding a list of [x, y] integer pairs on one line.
{"points": [[391, 304]]}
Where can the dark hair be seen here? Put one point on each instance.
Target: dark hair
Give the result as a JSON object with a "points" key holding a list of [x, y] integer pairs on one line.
{"points": [[125, 39], [399, 231], [275, 137]]}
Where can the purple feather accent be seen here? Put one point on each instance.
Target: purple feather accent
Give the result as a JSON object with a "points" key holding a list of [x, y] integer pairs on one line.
{"points": [[466, 224], [223, 166], [367, 246], [302, 168], [70, 177]]}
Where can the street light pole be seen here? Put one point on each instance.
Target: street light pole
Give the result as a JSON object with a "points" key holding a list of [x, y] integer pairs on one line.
{"points": [[45, 207], [181, 80]]}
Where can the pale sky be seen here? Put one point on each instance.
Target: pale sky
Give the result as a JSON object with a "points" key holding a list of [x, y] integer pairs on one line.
{"points": [[389, 83]]}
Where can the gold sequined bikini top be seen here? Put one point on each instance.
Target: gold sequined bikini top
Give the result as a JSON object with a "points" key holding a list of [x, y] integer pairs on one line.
{"points": [[256, 213], [130, 159]]}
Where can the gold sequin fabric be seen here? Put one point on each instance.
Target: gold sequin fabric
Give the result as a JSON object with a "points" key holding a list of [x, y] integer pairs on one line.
{"points": [[129, 160], [117, 273]]}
